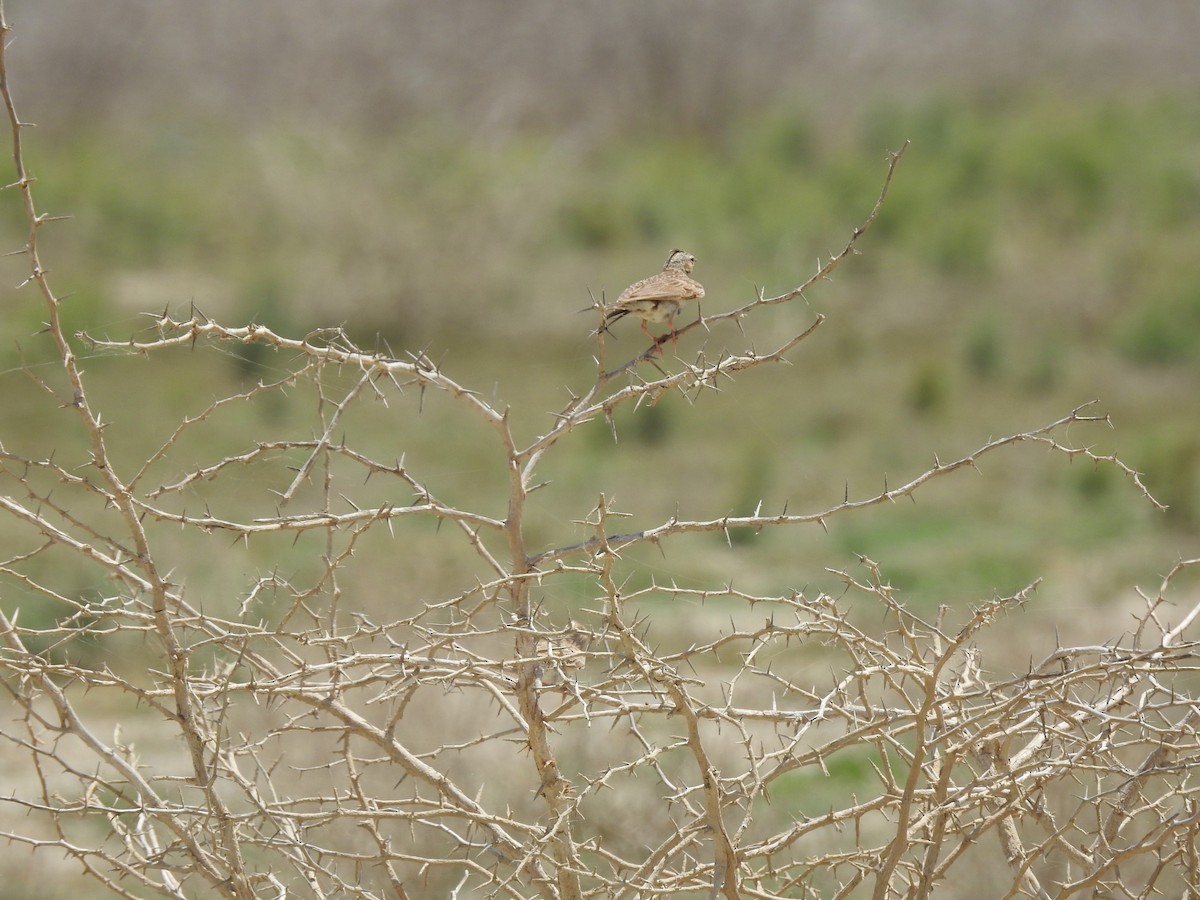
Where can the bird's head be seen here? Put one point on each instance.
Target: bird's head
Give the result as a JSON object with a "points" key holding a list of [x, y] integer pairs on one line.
{"points": [[681, 260]]}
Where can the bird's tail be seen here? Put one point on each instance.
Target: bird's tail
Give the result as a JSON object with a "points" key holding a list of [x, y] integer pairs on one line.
{"points": [[609, 318]]}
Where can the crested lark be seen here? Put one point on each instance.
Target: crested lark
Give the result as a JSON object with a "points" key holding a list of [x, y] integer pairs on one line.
{"points": [[659, 297]]}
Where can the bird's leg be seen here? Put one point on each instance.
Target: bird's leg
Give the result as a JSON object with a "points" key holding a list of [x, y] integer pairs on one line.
{"points": [[657, 341]]}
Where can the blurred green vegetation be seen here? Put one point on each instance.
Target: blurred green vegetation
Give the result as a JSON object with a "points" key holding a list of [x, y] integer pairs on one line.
{"points": [[297, 229], [1035, 253]]}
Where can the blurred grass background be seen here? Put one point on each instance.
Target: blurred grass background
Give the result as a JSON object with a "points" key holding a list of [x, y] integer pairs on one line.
{"points": [[437, 191], [456, 177]]}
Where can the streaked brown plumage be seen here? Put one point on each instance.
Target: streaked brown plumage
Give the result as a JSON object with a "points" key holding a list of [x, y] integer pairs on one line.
{"points": [[659, 297]]}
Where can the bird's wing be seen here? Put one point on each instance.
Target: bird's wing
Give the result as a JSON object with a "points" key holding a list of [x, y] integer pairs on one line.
{"points": [[663, 286]]}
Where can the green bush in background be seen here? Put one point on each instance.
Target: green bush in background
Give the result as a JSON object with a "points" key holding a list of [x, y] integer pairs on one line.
{"points": [[1036, 253]]}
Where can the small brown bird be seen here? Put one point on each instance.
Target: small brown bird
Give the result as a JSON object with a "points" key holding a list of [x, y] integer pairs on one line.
{"points": [[659, 297]]}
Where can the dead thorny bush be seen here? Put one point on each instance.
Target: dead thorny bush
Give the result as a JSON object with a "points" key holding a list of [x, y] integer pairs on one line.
{"points": [[479, 743]]}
